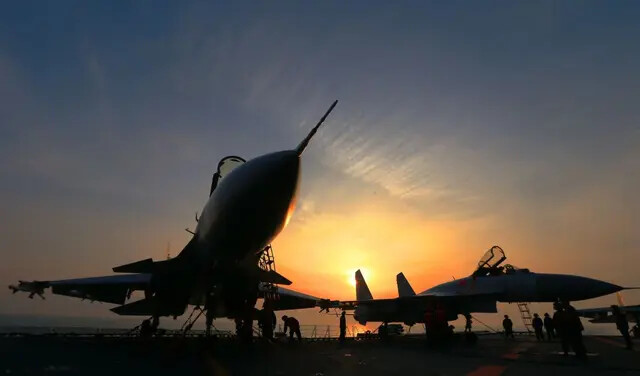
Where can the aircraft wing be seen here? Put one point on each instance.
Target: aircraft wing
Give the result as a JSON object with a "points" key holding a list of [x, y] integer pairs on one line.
{"points": [[116, 288], [108, 289]]}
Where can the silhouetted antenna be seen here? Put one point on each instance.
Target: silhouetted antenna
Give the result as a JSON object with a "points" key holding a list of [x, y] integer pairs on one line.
{"points": [[306, 140], [168, 250]]}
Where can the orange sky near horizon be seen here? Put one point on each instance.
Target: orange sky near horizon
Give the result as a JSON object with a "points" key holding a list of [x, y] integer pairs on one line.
{"points": [[523, 134], [382, 237], [322, 255]]}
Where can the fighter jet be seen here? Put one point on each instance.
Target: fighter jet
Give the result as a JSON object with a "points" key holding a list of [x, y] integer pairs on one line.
{"points": [[223, 267], [479, 292], [605, 314]]}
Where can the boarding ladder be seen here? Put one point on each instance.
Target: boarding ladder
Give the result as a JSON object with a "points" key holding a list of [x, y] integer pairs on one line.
{"points": [[268, 263], [525, 314]]}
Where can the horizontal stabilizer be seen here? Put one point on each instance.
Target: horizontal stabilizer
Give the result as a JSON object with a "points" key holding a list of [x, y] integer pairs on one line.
{"points": [[142, 266], [404, 288], [362, 290], [289, 299], [144, 307], [272, 276], [250, 268]]}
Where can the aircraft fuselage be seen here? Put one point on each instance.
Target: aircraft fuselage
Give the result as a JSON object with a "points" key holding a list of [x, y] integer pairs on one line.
{"points": [[522, 286]]}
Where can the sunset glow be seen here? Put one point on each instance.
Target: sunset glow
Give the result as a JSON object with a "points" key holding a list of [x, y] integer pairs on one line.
{"points": [[381, 241], [350, 275], [456, 130]]}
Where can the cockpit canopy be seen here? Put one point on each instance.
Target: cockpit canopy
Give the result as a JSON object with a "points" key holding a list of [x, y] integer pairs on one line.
{"points": [[225, 166], [492, 258], [228, 164], [489, 264]]}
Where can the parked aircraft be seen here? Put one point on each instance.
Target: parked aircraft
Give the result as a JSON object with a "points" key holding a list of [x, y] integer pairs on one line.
{"points": [[479, 292], [219, 268], [605, 314]]}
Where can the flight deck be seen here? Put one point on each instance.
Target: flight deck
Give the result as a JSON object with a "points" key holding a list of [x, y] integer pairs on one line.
{"points": [[404, 355]]}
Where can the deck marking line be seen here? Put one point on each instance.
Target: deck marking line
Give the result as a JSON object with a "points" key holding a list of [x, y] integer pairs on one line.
{"points": [[610, 341], [517, 350], [488, 370], [571, 353]]}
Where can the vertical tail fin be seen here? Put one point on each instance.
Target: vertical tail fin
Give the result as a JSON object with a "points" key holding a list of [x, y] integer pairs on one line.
{"points": [[404, 288], [362, 290]]}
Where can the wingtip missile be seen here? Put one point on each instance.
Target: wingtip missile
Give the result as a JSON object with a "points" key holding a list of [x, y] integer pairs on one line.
{"points": [[313, 131], [32, 288]]}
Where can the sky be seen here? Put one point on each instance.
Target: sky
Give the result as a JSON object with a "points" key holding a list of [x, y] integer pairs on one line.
{"points": [[460, 125]]}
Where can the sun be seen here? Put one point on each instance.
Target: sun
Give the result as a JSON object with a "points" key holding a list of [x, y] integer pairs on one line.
{"points": [[351, 279]]}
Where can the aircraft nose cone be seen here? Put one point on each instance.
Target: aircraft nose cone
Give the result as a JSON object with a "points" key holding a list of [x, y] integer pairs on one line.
{"points": [[272, 182], [284, 169], [252, 204], [273, 187], [571, 287]]}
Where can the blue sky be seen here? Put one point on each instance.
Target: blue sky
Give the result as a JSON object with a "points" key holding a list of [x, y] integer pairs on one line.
{"points": [[498, 122]]}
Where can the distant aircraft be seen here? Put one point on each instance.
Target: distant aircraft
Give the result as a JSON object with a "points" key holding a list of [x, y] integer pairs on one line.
{"points": [[219, 268], [479, 292], [605, 314]]}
